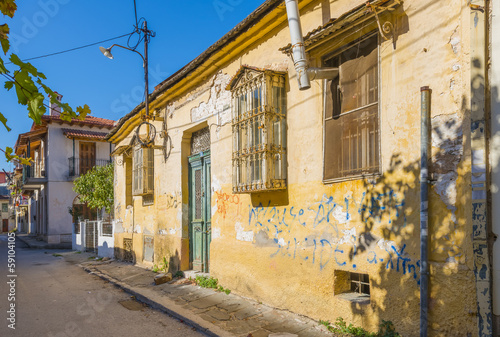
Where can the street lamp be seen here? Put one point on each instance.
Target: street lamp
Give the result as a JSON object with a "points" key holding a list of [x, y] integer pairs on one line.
{"points": [[144, 34]]}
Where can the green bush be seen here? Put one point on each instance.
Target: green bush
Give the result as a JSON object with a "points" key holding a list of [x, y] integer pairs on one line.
{"points": [[386, 329], [210, 282]]}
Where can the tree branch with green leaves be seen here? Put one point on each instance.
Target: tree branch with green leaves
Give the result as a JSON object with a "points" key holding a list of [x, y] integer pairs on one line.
{"points": [[96, 187], [28, 82]]}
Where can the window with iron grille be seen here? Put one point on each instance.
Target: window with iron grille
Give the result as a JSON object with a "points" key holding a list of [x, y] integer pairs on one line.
{"points": [[351, 112], [106, 228], [143, 170], [128, 250], [259, 130], [200, 141]]}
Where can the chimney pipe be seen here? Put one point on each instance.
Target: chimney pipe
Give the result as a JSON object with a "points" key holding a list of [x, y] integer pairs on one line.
{"points": [[55, 110]]}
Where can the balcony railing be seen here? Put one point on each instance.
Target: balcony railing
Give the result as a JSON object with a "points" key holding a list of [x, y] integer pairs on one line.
{"points": [[79, 166], [35, 170]]}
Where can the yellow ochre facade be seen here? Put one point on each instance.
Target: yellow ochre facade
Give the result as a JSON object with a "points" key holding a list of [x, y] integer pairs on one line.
{"points": [[303, 247]]}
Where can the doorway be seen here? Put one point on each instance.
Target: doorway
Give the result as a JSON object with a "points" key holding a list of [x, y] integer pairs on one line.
{"points": [[87, 157], [200, 212]]}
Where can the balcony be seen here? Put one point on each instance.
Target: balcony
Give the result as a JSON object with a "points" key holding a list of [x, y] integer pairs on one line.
{"points": [[34, 175], [79, 166]]}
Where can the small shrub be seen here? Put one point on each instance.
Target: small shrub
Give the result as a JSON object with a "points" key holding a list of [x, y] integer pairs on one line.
{"points": [[206, 282], [179, 274], [386, 329], [163, 267], [210, 282]]}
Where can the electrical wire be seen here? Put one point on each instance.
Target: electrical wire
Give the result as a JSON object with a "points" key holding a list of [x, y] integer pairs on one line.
{"points": [[73, 49], [23, 89], [135, 11]]}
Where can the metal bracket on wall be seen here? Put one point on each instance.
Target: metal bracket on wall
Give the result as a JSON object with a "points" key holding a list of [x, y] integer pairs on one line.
{"points": [[387, 27], [476, 7]]}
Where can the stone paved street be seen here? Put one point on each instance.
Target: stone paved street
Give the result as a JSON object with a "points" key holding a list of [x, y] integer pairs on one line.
{"points": [[54, 298], [214, 313]]}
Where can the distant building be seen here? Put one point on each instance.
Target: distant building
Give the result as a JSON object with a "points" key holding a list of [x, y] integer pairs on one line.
{"points": [[5, 210], [60, 152]]}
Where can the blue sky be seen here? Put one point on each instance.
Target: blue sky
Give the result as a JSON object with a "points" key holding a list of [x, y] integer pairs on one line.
{"points": [[111, 88]]}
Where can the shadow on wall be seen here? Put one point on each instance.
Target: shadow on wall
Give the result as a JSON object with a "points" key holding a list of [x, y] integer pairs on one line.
{"points": [[125, 255], [386, 237], [174, 264], [454, 256]]}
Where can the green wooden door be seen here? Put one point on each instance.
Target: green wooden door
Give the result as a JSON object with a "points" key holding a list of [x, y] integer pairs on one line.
{"points": [[200, 229]]}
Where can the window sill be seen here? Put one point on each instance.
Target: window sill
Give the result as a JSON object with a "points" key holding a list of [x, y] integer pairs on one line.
{"points": [[355, 298], [356, 177]]}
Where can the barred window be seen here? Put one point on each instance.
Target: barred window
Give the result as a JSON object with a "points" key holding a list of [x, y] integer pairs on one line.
{"points": [[143, 170], [360, 283], [351, 117], [259, 130]]}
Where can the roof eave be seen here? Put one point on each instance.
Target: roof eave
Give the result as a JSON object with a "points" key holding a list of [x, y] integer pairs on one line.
{"points": [[239, 29]]}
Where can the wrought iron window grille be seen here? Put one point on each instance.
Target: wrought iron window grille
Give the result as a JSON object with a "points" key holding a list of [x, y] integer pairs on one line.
{"points": [[259, 130]]}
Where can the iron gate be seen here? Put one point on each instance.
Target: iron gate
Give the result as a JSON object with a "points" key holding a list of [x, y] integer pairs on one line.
{"points": [[91, 236]]}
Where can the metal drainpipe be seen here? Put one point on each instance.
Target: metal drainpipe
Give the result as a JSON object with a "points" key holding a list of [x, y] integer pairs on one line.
{"points": [[424, 207], [74, 169], [298, 50], [304, 74]]}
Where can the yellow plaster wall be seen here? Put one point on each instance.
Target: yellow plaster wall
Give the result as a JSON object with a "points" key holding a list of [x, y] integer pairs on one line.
{"points": [[283, 248]]}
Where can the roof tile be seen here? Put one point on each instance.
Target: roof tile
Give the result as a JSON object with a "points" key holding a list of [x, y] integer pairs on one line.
{"points": [[70, 133]]}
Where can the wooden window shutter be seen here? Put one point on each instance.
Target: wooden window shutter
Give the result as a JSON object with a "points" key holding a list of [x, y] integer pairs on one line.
{"points": [[128, 181], [150, 172], [137, 171]]}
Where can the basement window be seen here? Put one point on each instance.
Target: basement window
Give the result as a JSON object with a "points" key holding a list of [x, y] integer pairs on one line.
{"points": [[148, 199], [351, 112], [350, 286], [360, 283], [259, 130]]}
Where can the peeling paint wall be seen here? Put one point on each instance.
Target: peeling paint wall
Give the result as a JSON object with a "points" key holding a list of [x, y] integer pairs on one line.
{"points": [[494, 157], [274, 246]]}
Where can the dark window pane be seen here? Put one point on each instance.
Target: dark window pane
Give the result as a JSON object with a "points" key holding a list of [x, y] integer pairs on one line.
{"points": [[351, 112]]}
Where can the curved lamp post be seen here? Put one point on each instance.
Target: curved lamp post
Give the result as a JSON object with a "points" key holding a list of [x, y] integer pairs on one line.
{"points": [[107, 52]]}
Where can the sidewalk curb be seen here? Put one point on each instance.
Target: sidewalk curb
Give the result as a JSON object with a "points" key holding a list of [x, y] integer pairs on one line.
{"points": [[44, 246], [206, 328]]}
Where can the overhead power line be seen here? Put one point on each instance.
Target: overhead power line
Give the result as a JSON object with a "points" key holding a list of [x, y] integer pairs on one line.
{"points": [[73, 49]]}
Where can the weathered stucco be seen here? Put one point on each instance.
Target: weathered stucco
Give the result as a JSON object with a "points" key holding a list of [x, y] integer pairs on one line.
{"points": [[59, 188], [284, 248]]}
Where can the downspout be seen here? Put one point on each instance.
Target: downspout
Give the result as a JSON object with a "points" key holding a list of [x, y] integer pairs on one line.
{"points": [[74, 169], [304, 73], [425, 107]]}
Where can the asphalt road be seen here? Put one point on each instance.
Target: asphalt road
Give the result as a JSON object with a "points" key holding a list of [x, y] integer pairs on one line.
{"points": [[55, 298]]}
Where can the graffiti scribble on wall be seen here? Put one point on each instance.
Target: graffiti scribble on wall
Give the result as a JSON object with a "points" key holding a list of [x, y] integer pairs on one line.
{"points": [[321, 233], [224, 200]]}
